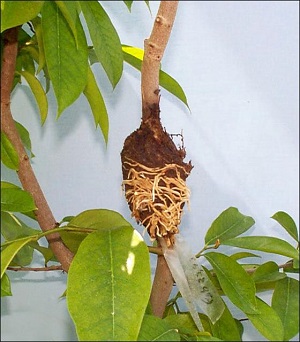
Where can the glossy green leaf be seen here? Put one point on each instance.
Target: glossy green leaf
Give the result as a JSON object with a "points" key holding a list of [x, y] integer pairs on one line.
{"points": [[69, 11], [13, 228], [266, 272], [296, 264], [267, 322], [105, 39], [128, 3], [27, 59], [204, 337], [37, 24], [285, 301], [25, 137], [156, 329], [228, 224], [15, 13], [99, 219], [93, 218], [38, 92], [109, 285], [243, 255], [97, 104], [226, 327], [8, 252], [32, 50], [238, 286], [9, 155], [5, 286], [286, 221], [134, 57], [185, 324], [8, 185], [16, 200], [172, 86], [67, 64], [267, 244]]}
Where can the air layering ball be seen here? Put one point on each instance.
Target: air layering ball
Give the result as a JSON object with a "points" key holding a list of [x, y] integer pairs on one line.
{"points": [[154, 175]]}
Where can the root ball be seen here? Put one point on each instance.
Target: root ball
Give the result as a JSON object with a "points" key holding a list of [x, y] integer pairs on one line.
{"points": [[154, 175]]}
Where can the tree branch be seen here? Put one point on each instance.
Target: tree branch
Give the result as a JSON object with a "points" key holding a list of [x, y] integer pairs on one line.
{"points": [[36, 269], [26, 175], [154, 48]]}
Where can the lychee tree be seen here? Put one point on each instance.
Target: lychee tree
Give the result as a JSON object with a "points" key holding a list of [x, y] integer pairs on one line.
{"points": [[109, 292]]}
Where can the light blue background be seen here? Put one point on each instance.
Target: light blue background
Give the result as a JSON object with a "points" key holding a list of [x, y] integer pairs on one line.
{"points": [[237, 62]]}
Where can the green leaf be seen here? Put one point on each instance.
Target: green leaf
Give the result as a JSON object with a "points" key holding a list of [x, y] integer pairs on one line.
{"points": [[242, 255], [94, 96], [238, 286], [226, 327], [69, 11], [134, 56], [8, 252], [27, 60], [13, 228], [99, 219], [228, 224], [286, 221], [16, 200], [92, 218], [267, 272], [15, 13], [105, 39], [156, 329], [67, 64], [264, 243], [109, 285], [172, 86], [185, 324], [128, 3], [25, 137], [5, 286], [38, 92], [285, 302], [9, 155], [267, 322], [37, 24], [5, 185]]}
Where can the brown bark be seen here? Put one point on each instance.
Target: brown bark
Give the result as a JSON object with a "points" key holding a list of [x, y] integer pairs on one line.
{"points": [[154, 48], [25, 172]]}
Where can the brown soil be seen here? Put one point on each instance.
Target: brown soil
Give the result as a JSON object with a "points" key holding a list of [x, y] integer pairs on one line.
{"points": [[152, 147]]}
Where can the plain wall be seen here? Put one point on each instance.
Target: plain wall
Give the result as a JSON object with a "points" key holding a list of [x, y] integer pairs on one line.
{"points": [[237, 62]]}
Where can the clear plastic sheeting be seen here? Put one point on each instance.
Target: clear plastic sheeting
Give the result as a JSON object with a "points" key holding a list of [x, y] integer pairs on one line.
{"points": [[192, 281]]}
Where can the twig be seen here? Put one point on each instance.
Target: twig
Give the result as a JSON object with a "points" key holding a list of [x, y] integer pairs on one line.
{"points": [[155, 250], [36, 269], [154, 48], [26, 175]]}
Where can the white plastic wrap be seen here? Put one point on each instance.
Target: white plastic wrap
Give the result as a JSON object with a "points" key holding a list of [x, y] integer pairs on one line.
{"points": [[193, 283]]}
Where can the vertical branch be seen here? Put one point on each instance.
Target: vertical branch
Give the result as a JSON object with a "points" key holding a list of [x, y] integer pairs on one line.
{"points": [[154, 48], [26, 175]]}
